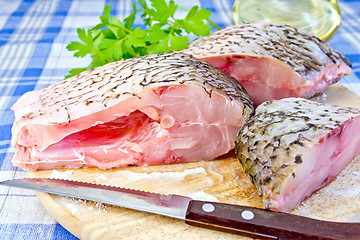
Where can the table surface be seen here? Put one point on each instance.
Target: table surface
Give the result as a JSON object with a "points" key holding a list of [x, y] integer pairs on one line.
{"points": [[33, 37]]}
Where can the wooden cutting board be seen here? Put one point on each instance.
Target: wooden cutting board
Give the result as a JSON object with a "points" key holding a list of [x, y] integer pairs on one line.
{"points": [[218, 180]]}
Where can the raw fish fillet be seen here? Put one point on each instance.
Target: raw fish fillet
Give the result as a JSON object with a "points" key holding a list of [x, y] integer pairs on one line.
{"points": [[272, 61], [156, 109], [292, 147]]}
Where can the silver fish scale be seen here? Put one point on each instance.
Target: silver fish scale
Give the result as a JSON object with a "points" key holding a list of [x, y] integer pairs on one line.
{"points": [[103, 87], [272, 144], [300, 51]]}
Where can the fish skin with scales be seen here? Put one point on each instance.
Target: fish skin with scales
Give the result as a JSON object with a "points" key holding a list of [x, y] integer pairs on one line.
{"points": [[154, 109], [273, 61], [103, 87], [292, 147]]}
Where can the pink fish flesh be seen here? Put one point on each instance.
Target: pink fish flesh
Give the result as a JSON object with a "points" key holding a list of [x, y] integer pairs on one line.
{"points": [[272, 61], [156, 109]]}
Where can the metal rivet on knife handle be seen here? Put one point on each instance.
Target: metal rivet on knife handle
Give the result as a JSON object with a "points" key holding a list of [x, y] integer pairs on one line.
{"points": [[207, 207], [247, 215]]}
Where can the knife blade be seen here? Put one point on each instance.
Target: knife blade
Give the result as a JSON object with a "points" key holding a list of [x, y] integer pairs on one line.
{"points": [[249, 221]]}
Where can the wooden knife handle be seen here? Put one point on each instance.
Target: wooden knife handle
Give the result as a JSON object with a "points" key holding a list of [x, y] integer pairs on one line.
{"points": [[266, 224]]}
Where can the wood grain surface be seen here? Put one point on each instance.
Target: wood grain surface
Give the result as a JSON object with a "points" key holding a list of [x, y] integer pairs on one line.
{"points": [[218, 180]]}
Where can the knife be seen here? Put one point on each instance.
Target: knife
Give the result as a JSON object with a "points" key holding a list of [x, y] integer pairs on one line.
{"points": [[248, 221]]}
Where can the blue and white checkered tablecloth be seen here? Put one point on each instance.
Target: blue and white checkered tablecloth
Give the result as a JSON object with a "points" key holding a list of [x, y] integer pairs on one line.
{"points": [[33, 36]]}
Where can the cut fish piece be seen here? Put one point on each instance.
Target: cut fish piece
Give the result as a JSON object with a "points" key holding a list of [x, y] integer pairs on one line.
{"points": [[272, 61], [292, 147], [156, 109]]}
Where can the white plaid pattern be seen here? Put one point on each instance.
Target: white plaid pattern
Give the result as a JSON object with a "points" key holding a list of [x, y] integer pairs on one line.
{"points": [[33, 37]]}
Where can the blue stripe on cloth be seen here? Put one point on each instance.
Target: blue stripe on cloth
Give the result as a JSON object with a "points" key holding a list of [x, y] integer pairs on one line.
{"points": [[5, 132], [6, 164], [357, 75], [61, 233], [46, 72], [13, 21], [45, 31], [7, 118], [339, 43], [114, 4], [27, 231], [41, 52], [353, 57], [2, 158], [17, 195], [42, 49]]}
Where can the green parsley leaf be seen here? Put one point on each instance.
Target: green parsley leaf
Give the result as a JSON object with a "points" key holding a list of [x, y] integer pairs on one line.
{"points": [[113, 39], [75, 71], [138, 38], [178, 43], [195, 22], [162, 11], [156, 34], [80, 48], [162, 46], [112, 48], [104, 18]]}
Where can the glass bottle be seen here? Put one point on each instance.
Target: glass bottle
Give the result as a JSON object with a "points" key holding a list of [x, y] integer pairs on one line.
{"points": [[321, 17]]}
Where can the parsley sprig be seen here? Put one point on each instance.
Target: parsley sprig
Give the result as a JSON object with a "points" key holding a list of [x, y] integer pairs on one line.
{"points": [[112, 39]]}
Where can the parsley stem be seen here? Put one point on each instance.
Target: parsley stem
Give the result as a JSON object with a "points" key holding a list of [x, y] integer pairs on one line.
{"points": [[181, 8], [214, 24], [96, 36]]}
